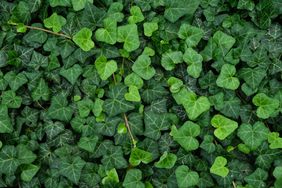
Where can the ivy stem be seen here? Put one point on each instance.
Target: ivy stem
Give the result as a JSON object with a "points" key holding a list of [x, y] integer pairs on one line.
{"points": [[129, 130], [45, 30], [234, 184]]}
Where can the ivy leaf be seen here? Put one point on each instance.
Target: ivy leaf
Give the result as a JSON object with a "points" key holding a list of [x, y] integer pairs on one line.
{"points": [[185, 177], [8, 160], [138, 155], [150, 28], [194, 62], [218, 167], [55, 21], [257, 178], [88, 143], [29, 171], [186, 134], [133, 179], [133, 80], [136, 15], [84, 107], [274, 140], [266, 105], [175, 84], [117, 104], [14, 80], [142, 67], [72, 74], [114, 158], [108, 34], [59, 108], [176, 9], [253, 135], [170, 59], [25, 155], [224, 43], [10, 99], [5, 121], [224, 126], [191, 34], [112, 177], [105, 68], [167, 161], [83, 39], [226, 79], [133, 94], [252, 76], [128, 34], [64, 3], [41, 91], [80, 4], [72, 170]]}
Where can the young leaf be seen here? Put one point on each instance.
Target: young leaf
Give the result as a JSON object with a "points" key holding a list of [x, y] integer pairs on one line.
{"points": [[194, 62], [55, 21], [219, 168], [266, 105], [274, 140], [185, 177], [108, 34], [226, 79], [105, 68], [133, 80], [133, 94], [224, 126], [191, 34], [167, 160], [170, 59], [136, 15], [138, 155], [83, 39], [142, 67], [128, 34], [80, 4], [150, 28]]}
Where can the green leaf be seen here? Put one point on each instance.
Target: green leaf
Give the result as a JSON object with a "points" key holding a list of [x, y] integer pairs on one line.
{"points": [[108, 34], [185, 177], [266, 105], [170, 59], [167, 161], [257, 178], [8, 160], [176, 9], [10, 99], [186, 135], [224, 43], [133, 179], [191, 34], [116, 102], [25, 155], [41, 91], [274, 140], [59, 108], [88, 143], [5, 121], [253, 135], [55, 21], [15, 80], [72, 170], [112, 177], [136, 15], [114, 158], [175, 84], [133, 94], [150, 28], [128, 34], [72, 74], [133, 80], [83, 39], [142, 67], [194, 62], [252, 76], [138, 155], [226, 77], [218, 167], [224, 126], [64, 3], [105, 68], [29, 172], [80, 4], [84, 107]]}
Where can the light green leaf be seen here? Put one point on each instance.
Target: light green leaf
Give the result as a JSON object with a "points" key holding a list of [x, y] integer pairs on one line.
{"points": [[133, 80], [186, 135], [10, 99], [167, 161], [274, 140], [142, 67], [128, 34], [72, 74], [8, 160], [59, 108], [224, 126], [133, 179], [138, 155], [64, 3], [194, 62], [105, 68], [5, 121], [175, 84], [83, 39], [150, 28], [112, 177], [226, 79], [191, 34], [108, 34], [224, 43], [266, 105], [218, 167], [185, 177], [29, 172], [136, 15], [72, 170], [41, 91], [80, 4], [253, 135], [88, 143], [55, 21], [133, 94], [170, 59]]}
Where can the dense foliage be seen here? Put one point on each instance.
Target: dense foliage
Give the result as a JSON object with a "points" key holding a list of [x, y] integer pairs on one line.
{"points": [[140, 93]]}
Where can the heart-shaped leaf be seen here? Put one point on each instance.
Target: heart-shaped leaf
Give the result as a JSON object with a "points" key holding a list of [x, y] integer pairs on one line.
{"points": [[136, 15], [142, 67], [266, 105], [226, 79], [224, 126], [150, 28], [218, 167], [133, 94], [138, 155], [105, 68], [55, 21], [167, 160], [108, 34], [128, 34], [83, 39], [185, 177]]}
